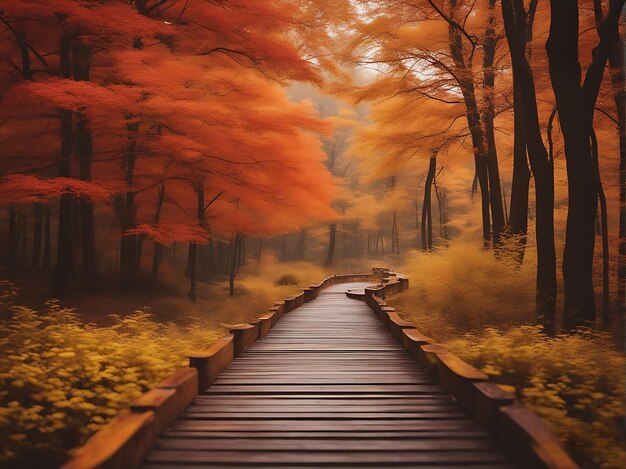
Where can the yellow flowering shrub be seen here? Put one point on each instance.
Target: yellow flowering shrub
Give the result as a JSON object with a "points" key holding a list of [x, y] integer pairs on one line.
{"points": [[574, 381], [61, 379]]}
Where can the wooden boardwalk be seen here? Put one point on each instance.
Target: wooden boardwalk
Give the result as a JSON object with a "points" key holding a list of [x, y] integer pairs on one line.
{"points": [[327, 387]]}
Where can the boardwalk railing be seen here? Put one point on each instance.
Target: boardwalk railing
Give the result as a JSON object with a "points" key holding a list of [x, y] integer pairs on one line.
{"points": [[523, 436], [124, 441]]}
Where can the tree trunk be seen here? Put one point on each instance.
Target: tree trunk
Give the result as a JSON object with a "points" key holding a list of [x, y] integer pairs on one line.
{"points": [[130, 252], [395, 238], [233, 264], [46, 239], [427, 219], [540, 162], [301, 244], [157, 255], [283, 248], [61, 279], [576, 107], [191, 270], [81, 55], [479, 140], [192, 262], [518, 213], [37, 233], [488, 116], [604, 224], [12, 238], [332, 238]]}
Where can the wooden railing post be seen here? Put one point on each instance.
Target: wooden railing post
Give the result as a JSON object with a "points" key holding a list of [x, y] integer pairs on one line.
{"points": [[245, 336]]}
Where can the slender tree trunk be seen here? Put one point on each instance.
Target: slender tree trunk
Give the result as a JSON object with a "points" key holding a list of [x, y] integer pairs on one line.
{"points": [[395, 238], [475, 125], [283, 248], [540, 162], [604, 224], [233, 264], [191, 269], [46, 239], [61, 279], [81, 54], [193, 247], [488, 116], [427, 221], [157, 255], [332, 238], [301, 244], [130, 252], [37, 233], [12, 238], [518, 218]]}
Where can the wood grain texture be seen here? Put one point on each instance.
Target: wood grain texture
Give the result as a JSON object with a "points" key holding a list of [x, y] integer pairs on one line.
{"points": [[328, 386]]}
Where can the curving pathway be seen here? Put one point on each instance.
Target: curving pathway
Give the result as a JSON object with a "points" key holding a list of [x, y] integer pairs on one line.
{"points": [[327, 387]]}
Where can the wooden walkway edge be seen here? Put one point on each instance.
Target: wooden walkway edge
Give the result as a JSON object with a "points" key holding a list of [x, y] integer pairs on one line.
{"points": [[329, 385]]}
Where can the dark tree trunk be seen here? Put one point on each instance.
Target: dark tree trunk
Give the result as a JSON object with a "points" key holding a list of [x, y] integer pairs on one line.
{"points": [[12, 237], [488, 115], [235, 247], [283, 248], [157, 255], [191, 270], [616, 68], [81, 55], [540, 162], [576, 107], [192, 261], [332, 238], [427, 219], [479, 140], [518, 213], [61, 279], [301, 244], [604, 225], [395, 238], [130, 251], [46, 238], [37, 233]]}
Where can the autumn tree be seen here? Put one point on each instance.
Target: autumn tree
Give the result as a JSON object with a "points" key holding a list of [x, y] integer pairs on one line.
{"points": [[576, 103]]}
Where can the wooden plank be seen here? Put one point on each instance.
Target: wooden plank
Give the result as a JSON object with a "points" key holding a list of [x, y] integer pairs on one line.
{"points": [[327, 386], [463, 458], [307, 444]]}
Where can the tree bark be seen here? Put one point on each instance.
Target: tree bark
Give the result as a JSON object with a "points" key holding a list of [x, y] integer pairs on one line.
{"points": [[157, 255], [37, 233], [12, 238], [518, 212], [540, 161], [488, 116], [604, 224], [332, 238], [301, 244], [46, 238], [465, 81], [61, 279], [576, 107], [192, 262], [81, 58], [427, 220]]}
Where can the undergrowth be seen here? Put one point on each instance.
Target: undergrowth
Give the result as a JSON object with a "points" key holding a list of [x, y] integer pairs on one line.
{"points": [[480, 307], [62, 379]]}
